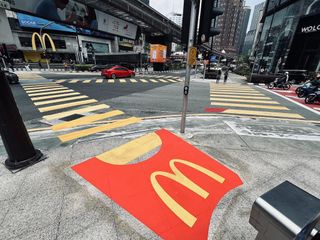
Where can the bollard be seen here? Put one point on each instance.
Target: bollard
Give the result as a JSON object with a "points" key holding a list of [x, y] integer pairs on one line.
{"points": [[15, 137]]}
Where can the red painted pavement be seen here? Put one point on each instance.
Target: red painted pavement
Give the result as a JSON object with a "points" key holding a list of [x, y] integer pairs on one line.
{"points": [[215, 110], [130, 187]]}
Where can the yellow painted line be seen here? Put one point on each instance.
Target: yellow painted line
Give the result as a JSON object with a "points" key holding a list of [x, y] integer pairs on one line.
{"points": [[153, 80], [86, 120], [60, 81], [38, 84], [94, 130], [77, 111], [133, 80], [242, 100], [162, 80], [239, 96], [46, 90], [171, 80], [87, 81], [74, 81], [59, 100], [143, 80], [111, 81], [50, 93], [122, 81], [130, 151], [233, 93], [99, 81], [261, 113], [40, 88], [54, 96], [226, 104], [67, 105]]}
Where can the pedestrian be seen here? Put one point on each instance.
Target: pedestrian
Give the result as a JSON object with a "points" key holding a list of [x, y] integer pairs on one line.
{"points": [[65, 64], [40, 65], [218, 76], [226, 74], [146, 68]]}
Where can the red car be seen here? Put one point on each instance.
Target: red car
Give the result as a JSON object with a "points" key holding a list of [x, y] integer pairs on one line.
{"points": [[117, 71]]}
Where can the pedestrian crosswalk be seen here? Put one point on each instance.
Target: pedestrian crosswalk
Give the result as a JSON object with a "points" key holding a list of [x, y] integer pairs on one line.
{"points": [[68, 110], [149, 79], [236, 99]]}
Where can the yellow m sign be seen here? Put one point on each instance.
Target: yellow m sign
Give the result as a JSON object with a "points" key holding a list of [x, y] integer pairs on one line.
{"points": [[42, 40], [179, 177]]}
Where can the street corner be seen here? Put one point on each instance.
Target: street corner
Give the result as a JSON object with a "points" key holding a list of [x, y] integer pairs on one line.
{"points": [[173, 192]]}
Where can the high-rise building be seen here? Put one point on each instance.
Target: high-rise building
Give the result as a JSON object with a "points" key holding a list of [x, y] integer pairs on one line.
{"points": [[230, 24], [244, 26], [249, 41], [146, 1], [176, 18]]}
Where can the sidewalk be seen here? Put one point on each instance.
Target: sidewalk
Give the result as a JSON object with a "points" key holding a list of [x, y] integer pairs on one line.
{"points": [[50, 201]]}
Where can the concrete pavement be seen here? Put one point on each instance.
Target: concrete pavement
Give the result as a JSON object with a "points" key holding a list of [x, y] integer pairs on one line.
{"points": [[50, 201]]}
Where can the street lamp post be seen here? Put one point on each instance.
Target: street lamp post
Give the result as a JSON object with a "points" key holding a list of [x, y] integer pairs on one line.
{"points": [[44, 46]]}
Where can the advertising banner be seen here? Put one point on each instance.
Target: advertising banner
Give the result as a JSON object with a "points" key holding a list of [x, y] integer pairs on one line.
{"points": [[158, 53], [77, 14]]}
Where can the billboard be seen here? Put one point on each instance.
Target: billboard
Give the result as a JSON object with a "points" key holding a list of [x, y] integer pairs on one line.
{"points": [[77, 14], [158, 53]]}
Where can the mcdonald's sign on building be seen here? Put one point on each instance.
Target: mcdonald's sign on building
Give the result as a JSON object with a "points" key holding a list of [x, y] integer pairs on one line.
{"points": [[42, 39], [174, 192]]}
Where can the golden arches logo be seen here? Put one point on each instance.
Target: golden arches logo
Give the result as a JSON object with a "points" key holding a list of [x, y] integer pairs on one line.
{"points": [[42, 40]]}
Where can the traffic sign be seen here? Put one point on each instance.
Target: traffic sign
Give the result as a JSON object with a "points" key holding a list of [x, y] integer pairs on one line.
{"points": [[192, 58]]}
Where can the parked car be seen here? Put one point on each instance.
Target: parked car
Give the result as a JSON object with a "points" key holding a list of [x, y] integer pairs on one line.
{"points": [[213, 73], [11, 77], [117, 71]]}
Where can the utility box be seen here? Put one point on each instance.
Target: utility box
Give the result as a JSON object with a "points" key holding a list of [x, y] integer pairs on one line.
{"points": [[286, 212]]}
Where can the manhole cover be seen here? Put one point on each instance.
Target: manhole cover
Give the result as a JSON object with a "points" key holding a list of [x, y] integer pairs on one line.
{"points": [[71, 117]]}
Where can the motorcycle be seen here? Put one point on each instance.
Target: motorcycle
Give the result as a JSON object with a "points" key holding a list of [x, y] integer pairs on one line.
{"points": [[276, 84], [313, 97], [306, 89]]}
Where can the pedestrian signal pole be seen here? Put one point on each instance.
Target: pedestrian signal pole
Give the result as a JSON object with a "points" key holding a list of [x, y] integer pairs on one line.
{"points": [[190, 60]]}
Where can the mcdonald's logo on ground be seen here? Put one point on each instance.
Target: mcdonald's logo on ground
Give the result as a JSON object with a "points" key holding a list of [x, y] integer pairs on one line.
{"points": [[174, 192], [42, 40]]}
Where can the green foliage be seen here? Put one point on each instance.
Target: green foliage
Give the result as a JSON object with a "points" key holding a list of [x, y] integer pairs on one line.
{"points": [[243, 70], [83, 67]]}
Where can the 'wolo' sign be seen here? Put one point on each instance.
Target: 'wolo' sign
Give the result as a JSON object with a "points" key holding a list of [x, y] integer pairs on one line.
{"points": [[173, 192]]}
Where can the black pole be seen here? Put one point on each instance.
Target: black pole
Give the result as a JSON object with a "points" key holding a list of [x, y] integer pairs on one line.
{"points": [[15, 137]]}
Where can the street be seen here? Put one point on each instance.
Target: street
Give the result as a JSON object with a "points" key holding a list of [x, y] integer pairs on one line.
{"points": [[262, 137]]}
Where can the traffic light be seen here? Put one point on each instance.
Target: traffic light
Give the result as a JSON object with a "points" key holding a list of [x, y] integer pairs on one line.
{"points": [[209, 11]]}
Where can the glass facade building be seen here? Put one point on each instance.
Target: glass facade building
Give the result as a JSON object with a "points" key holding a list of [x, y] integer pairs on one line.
{"points": [[280, 30]]}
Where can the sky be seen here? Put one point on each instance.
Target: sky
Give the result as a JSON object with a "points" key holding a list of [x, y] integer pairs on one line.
{"points": [[167, 6]]}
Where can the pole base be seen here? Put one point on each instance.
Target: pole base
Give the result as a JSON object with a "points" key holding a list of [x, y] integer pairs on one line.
{"points": [[24, 164]]}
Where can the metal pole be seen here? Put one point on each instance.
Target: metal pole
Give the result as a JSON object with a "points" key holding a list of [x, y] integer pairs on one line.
{"points": [[4, 64], [45, 50], [188, 69], [15, 137]]}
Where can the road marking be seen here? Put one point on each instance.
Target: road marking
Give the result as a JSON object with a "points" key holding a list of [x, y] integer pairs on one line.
{"points": [[74, 81], [226, 104], [111, 81], [242, 100], [67, 105], [38, 84], [128, 152], [77, 111], [59, 100], [238, 96], [122, 81], [86, 120], [262, 113], [87, 81], [50, 93], [153, 80], [133, 80], [232, 93], [235, 91], [99, 81], [143, 80], [40, 88], [55, 96], [171, 80], [46, 90], [94, 130], [60, 81], [162, 80]]}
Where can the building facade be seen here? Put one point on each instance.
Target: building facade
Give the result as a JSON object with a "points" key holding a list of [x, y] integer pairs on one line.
{"points": [[244, 26], [290, 36], [176, 18], [230, 24]]}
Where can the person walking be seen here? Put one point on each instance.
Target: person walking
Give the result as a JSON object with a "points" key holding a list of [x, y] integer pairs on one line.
{"points": [[226, 75], [40, 65]]}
